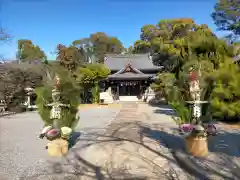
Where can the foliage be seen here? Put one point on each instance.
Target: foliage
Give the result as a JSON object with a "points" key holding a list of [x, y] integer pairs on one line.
{"points": [[227, 16], [69, 95], [141, 46], [69, 57], [14, 78], [164, 84], [97, 45], [184, 112], [226, 94], [91, 49], [181, 45], [95, 93], [28, 52], [89, 76], [91, 73]]}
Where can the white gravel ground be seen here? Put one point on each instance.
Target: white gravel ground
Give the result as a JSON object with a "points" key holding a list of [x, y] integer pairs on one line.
{"points": [[20, 148]]}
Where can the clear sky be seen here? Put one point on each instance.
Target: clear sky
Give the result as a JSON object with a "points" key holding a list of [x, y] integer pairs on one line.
{"points": [[50, 22]]}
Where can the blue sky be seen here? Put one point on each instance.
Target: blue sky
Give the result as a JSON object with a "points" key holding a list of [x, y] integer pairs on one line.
{"points": [[50, 22]]}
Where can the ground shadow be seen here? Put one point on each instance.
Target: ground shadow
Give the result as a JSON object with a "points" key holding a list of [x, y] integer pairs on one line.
{"points": [[163, 108], [76, 166], [226, 143], [74, 138], [221, 155], [166, 111]]}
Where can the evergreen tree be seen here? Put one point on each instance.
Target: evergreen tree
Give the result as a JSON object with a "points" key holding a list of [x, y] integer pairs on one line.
{"points": [[226, 93], [69, 92]]}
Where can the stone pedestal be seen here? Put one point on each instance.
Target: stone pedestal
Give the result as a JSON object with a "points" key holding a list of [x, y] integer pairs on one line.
{"points": [[58, 147], [197, 146]]}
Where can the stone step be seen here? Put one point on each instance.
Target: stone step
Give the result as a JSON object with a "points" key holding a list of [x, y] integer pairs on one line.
{"points": [[128, 98]]}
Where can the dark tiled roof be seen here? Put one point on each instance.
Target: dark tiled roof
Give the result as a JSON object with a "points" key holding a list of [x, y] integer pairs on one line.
{"points": [[138, 61]]}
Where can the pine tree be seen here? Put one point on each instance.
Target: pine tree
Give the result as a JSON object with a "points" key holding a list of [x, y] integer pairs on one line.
{"points": [[226, 93]]}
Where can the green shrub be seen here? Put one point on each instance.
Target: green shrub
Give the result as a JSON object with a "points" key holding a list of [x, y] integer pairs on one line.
{"points": [[69, 95], [95, 93]]}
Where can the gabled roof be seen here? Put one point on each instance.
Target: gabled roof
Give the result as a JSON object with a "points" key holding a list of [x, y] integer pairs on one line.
{"points": [[128, 68], [129, 72], [138, 61]]}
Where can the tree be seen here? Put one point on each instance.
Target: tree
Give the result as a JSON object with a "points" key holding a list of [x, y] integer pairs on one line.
{"points": [[4, 37], [14, 78], [141, 46], [129, 50], [28, 52], [226, 95], [69, 95], [227, 17], [69, 57], [181, 45], [89, 76], [85, 47], [97, 45], [148, 33]]}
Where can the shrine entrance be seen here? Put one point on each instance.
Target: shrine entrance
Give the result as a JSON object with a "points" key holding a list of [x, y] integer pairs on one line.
{"points": [[129, 90]]}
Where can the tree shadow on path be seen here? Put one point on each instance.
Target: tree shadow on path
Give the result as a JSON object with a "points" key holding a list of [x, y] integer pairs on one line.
{"points": [[207, 167], [124, 144], [135, 151]]}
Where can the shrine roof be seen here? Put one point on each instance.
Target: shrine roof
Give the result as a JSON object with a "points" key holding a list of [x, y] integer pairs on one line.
{"points": [[138, 61], [130, 75]]}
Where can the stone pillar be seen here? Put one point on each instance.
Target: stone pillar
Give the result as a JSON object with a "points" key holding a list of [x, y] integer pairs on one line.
{"points": [[28, 100], [118, 92], [109, 90]]}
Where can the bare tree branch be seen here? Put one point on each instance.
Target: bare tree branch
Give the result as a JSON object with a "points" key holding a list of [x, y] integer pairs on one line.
{"points": [[5, 37]]}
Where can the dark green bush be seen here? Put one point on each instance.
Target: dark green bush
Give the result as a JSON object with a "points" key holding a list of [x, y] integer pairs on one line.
{"points": [[69, 95]]}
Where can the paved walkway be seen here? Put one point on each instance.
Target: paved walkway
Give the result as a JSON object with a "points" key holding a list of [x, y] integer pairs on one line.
{"points": [[22, 153], [137, 142], [124, 150]]}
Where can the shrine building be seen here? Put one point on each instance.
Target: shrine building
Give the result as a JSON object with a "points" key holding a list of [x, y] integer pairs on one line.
{"points": [[131, 75]]}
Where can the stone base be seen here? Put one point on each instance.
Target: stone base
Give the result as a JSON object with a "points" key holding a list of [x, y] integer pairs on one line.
{"points": [[58, 147], [197, 146]]}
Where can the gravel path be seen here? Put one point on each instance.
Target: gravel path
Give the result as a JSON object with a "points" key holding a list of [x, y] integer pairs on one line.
{"points": [[20, 147]]}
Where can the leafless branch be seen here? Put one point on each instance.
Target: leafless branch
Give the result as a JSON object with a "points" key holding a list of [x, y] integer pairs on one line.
{"points": [[5, 37]]}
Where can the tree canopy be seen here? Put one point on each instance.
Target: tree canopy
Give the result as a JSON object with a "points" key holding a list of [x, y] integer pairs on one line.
{"points": [[70, 57], [91, 49], [98, 44], [181, 45], [227, 16], [28, 52], [91, 73], [14, 78]]}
